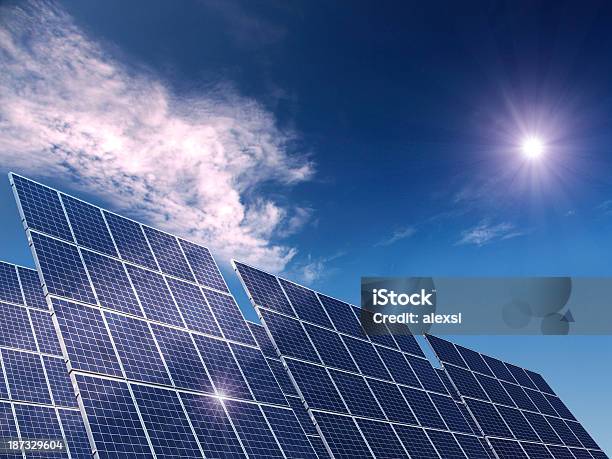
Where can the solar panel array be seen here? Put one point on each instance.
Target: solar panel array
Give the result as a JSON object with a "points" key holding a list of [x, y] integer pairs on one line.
{"points": [[516, 409], [369, 396], [158, 352], [36, 396]]}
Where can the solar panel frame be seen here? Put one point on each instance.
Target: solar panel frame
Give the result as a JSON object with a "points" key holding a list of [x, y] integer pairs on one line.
{"points": [[79, 294]]}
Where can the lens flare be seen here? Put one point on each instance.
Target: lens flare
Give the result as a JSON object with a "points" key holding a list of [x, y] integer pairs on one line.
{"points": [[532, 147]]}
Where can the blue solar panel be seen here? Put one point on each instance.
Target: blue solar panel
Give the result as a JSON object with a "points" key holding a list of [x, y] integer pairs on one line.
{"points": [[203, 265], [559, 407], [541, 402], [282, 377], [316, 386], [75, 434], [466, 382], [446, 444], [86, 338], [356, 395], [154, 296], [540, 382], [521, 377], [166, 423], [488, 418], [579, 453], [137, 349], [25, 377], [130, 240], [423, 408], [212, 426], [222, 368], [45, 333], [517, 423], [384, 339], [427, 375], [507, 449], [288, 432], [289, 336], [193, 307], [88, 225], [330, 348], [41, 208], [32, 288], [474, 361], [228, 315], [408, 343], [564, 432], [113, 418], [494, 390], [59, 381], [499, 369], [263, 341], [168, 253], [306, 304], [9, 284], [451, 414], [8, 427], [542, 427], [182, 359], [258, 375], [62, 268], [560, 452], [392, 402], [342, 316], [256, 436], [537, 451], [367, 358], [381, 438], [38, 422], [398, 367], [582, 435], [111, 283], [343, 436], [302, 415], [416, 442], [16, 330], [264, 289], [472, 447], [518, 395]]}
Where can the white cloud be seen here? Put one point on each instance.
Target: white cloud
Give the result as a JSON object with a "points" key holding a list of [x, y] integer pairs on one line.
{"points": [[190, 166], [397, 235], [313, 269], [485, 233]]}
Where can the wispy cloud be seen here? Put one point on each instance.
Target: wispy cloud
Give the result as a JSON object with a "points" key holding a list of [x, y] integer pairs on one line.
{"points": [[486, 233], [193, 166], [605, 207], [313, 269], [397, 235]]}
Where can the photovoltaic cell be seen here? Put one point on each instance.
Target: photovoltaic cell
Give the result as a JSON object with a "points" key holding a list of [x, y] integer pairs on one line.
{"points": [[306, 303], [25, 377], [263, 341], [356, 395], [390, 399], [381, 438], [416, 442], [445, 443], [88, 226], [32, 288], [472, 447], [343, 436], [342, 316], [257, 438], [289, 336], [446, 351], [330, 347], [282, 377], [168, 253], [518, 396], [15, 326], [133, 335], [59, 382], [46, 336], [398, 367], [427, 375], [316, 386], [75, 433], [450, 412], [38, 422], [265, 289], [203, 265], [130, 240], [288, 432], [367, 358], [423, 408], [537, 451], [9, 284], [507, 449], [212, 426], [166, 423]]}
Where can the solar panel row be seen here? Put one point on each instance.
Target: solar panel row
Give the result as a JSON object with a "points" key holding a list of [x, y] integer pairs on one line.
{"points": [[36, 396], [158, 351], [516, 409], [370, 396]]}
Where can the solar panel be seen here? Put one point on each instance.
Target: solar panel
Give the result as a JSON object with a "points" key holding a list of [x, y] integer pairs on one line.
{"points": [[516, 409], [37, 400], [369, 396], [153, 339]]}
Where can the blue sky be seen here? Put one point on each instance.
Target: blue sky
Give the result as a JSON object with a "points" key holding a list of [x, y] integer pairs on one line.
{"points": [[327, 142]]}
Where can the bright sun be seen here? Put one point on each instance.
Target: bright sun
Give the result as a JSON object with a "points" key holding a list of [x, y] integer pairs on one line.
{"points": [[532, 147]]}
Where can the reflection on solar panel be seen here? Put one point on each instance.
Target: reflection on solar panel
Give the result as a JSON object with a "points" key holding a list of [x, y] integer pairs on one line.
{"points": [[158, 351], [368, 396], [517, 410], [36, 396]]}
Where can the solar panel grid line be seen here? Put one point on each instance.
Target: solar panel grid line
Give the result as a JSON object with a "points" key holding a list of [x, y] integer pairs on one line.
{"points": [[327, 368], [45, 359], [524, 418]]}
